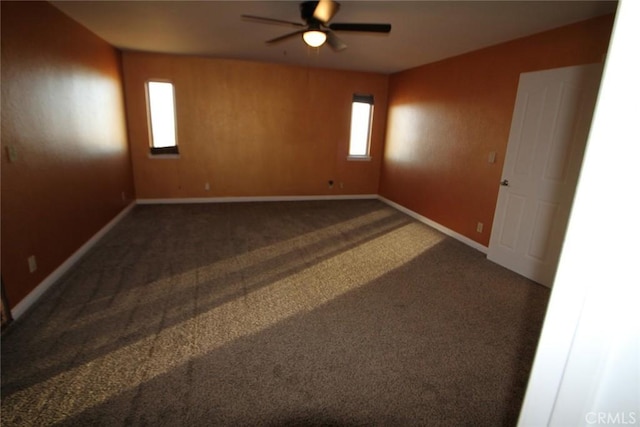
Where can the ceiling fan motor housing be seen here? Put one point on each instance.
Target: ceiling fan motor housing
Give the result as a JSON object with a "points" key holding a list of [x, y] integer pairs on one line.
{"points": [[306, 12]]}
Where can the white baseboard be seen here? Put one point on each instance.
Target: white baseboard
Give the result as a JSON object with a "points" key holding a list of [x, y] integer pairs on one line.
{"points": [[439, 227], [255, 199], [43, 286]]}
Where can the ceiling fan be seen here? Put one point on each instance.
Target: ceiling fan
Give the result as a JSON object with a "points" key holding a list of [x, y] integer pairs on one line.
{"points": [[317, 30]]}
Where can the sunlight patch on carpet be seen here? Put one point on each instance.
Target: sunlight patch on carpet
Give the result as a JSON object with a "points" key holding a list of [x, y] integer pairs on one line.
{"points": [[286, 290]]}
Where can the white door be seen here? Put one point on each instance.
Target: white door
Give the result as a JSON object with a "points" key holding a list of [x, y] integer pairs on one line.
{"points": [[549, 130]]}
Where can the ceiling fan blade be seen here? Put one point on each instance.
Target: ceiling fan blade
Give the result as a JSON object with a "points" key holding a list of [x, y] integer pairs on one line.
{"points": [[325, 10], [263, 20], [370, 28], [286, 36], [335, 42]]}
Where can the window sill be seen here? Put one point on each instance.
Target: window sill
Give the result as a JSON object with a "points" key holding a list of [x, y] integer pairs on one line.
{"points": [[164, 153], [359, 158], [163, 156]]}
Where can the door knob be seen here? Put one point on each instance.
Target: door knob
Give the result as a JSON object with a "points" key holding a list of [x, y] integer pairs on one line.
{"points": [[504, 182]]}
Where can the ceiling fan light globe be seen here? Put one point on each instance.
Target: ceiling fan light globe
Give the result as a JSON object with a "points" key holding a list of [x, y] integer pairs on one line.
{"points": [[314, 38]]}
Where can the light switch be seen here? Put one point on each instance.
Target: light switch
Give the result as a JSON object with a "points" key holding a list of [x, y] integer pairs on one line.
{"points": [[492, 157], [12, 153]]}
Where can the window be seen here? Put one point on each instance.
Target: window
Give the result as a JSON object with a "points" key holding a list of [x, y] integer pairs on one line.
{"points": [[162, 117], [361, 119]]}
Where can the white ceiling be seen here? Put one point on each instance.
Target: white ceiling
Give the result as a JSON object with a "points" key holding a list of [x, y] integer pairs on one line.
{"points": [[422, 31]]}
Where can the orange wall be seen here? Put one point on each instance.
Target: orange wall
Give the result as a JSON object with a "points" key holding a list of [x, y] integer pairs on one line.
{"points": [[252, 129], [62, 111], [444, 118]]}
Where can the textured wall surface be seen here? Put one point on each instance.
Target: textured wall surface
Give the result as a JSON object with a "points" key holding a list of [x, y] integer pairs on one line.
{"points": [[63, 118], [253, 129], [445, 118]]}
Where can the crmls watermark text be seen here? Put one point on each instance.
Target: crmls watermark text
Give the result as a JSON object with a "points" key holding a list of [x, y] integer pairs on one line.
{"points": [[612, 418]]}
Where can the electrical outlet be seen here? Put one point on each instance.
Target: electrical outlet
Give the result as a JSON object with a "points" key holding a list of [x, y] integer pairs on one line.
{"points": [[330, 183], [479, 227], [207, 186], [33, 266]]}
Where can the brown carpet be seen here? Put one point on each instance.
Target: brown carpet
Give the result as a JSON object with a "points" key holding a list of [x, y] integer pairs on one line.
{"points": [[300, 313]]}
